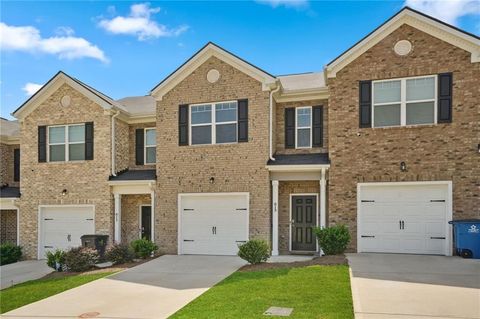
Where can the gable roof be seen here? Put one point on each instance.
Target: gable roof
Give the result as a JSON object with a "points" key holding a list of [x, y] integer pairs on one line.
{"points": [[53, 84], [202, 55], [439, 29]]}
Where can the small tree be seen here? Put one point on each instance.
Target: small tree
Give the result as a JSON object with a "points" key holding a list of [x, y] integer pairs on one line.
{"points": [[333, 240]]}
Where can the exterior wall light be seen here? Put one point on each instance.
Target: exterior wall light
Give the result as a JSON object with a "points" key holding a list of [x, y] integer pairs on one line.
{"points": [[212, 180], [64, 192], [403, 166]]}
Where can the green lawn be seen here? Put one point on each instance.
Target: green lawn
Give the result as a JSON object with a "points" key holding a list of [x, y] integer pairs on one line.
{"points": [[31, 291], [313, 292]]}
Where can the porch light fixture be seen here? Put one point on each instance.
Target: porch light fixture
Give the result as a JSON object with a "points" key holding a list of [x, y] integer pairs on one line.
{"points": [[64, 192], [403, 166], [212, 180]]}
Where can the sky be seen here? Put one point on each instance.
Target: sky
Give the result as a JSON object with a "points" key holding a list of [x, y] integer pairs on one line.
{"points": [[125, 48]]}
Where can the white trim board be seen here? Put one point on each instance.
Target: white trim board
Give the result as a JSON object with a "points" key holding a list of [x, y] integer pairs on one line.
{"points": [[448, 203]]}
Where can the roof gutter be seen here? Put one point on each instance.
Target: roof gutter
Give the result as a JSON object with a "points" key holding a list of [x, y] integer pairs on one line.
{"points": [[114, 173], [271, 122]]}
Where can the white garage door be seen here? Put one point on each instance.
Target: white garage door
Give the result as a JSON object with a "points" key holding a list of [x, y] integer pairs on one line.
{"points": [[212, 224], [396, 218], [62, 226]]}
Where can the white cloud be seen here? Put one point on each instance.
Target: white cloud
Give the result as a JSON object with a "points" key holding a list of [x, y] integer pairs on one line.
{"points": [[31, 88], [64, 31], [139, 23], [64, 45], [446, 10], [285, 3]]}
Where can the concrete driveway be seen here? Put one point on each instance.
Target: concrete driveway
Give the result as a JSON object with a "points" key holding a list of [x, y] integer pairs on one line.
{"points": [[155, 289], [414, 286], [22, 271]]}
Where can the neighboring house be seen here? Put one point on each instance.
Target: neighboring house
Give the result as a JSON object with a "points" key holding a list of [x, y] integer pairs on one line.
{"points": [[384, 140], [9, 180]]}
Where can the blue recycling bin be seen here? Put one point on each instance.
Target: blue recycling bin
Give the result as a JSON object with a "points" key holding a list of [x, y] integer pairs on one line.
{"points": [[466, 233]]}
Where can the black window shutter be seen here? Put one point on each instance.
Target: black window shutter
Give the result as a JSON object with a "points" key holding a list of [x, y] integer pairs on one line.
{"points": [[365, 99], [183, 124], [16, 165], [139, 145], [290, 127], [445, 86], [242, 120], [42, 144], [317, 129], [89, 141]]}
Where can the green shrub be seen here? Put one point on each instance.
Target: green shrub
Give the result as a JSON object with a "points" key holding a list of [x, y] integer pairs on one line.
{"points": [[143, 248], [81, 258], [119, 254], [254, 251], [56, 259], [333, 240], [10, 253]]}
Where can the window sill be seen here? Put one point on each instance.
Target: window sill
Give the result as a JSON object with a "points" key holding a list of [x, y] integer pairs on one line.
{"points": [[213, 145], [406, 126], [66, 162]]}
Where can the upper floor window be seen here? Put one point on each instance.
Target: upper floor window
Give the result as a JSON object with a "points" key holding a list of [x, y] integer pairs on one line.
{"points": [[66, 143], [150, 147], [214, 123], [407, 101], [303, 124]]}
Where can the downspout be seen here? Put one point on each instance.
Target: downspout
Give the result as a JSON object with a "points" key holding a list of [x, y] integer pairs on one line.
{"points": [[113, 143], [271, 122]]}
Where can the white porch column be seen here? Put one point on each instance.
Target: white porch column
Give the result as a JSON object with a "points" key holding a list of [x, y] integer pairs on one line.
{"points": [[323, 200], [118, 218], [152, 199], [274, 218]]}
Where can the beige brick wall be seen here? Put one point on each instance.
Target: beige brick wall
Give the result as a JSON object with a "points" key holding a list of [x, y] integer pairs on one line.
{"points": [[131, 141], [122, 149], [280, 127], [432, 152], [131, 215], [285, 189], [85, 181], [6, 164], [8, 226], [236, 167]]}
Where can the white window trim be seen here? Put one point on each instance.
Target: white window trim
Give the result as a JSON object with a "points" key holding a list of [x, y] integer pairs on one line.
{"points": [[403, 100], [213, 123], [145, 146], [303, 127], [65, 142]]}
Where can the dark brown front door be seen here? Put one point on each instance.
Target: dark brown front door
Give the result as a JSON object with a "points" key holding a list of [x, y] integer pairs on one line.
{"points": [[146, 226], [304, 219]]}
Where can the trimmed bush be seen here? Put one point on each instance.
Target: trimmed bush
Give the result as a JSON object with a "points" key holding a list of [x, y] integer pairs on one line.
{"points": [[333, 240], [254, 251], [10, 253], [119, 254], [56, 259], [143, 248], [81, 258]]}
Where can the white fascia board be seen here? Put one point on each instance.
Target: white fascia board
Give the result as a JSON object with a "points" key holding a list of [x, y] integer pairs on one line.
{"points": [[135, 119], [302, 95], [417, 21], [297, 168], [8, 203], [133, 182]]}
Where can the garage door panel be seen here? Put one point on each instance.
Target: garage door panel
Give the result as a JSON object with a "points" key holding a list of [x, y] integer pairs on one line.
{"points": [[403, 218]]}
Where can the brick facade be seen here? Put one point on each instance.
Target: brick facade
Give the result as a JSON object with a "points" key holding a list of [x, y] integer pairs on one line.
{"points": [[85, 181], [8, 226], [6, 164], [235, 167], [285, 189], [131, 215], [431, 152], [131, 142], [122, 149]]}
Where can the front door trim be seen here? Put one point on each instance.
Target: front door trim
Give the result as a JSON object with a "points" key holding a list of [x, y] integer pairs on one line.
{"points": [[290, 217], [449, 205]]}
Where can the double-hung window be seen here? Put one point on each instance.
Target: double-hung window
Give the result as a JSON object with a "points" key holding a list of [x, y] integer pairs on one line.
{"points": [[213, 123], [407, 101], [303, 123], [66, 143], [150, 147]]}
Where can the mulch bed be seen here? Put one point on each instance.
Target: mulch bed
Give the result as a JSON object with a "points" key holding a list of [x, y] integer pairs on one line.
{"points": [[114, 268], [324, 260]]}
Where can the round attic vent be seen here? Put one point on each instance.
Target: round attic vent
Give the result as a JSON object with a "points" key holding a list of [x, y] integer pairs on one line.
{"points": [[403, 47], [213, 76], [65, 101]]}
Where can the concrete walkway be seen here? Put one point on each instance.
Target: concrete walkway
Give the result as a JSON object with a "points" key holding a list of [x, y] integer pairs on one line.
{"points": [[155, 289], [22, 271], [390, 286]]}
